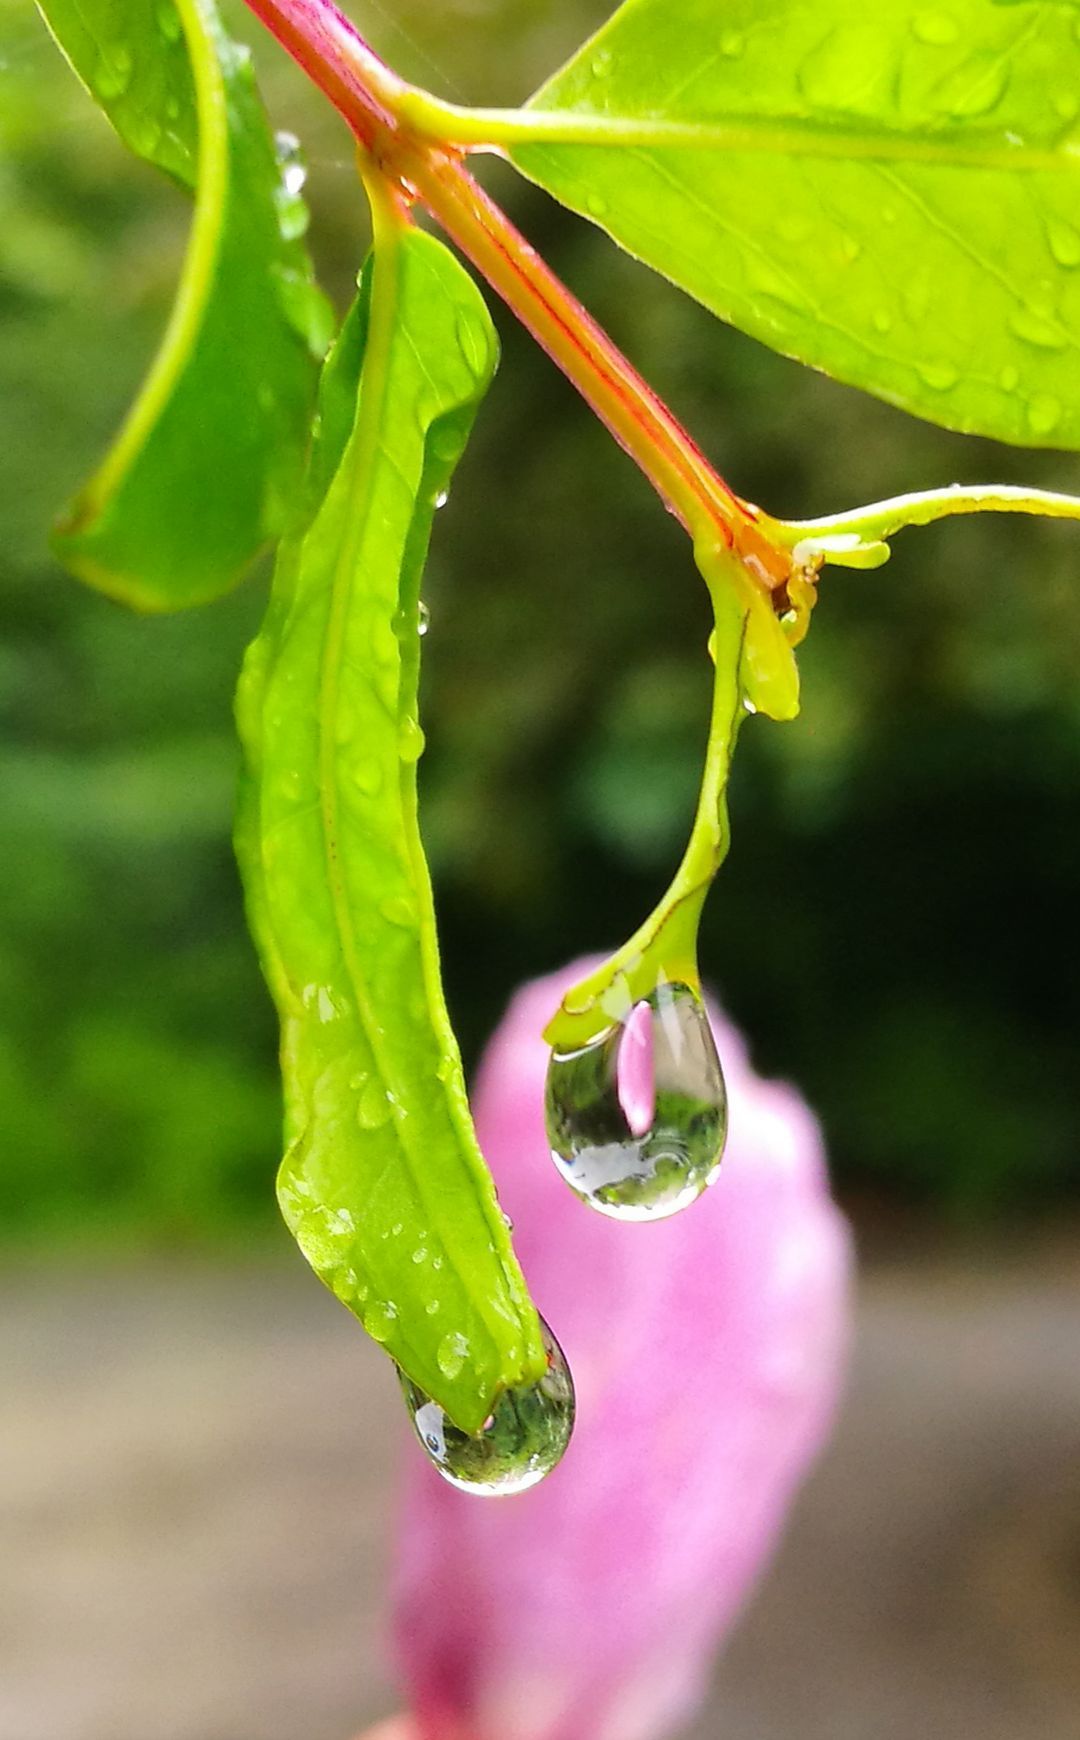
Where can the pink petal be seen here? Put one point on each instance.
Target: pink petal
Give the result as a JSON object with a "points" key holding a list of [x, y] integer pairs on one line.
{"points": [[707, 1352]]}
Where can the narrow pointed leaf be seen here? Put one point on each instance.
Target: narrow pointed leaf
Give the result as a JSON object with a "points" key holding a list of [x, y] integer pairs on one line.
{"points": [[383, 1183], [206, 468], [889, 192]]}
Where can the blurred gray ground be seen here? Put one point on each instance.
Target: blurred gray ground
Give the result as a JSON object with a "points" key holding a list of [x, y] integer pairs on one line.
{"points": [[194, 1514]]}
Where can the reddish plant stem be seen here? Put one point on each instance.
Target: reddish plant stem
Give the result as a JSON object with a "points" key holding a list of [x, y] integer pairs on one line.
{"points": [[368, 94]]}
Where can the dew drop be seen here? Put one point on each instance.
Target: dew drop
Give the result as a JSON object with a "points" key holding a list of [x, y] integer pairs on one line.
{"points": [[453, 1352], [423, 614], [1009, 378], [520, 1442], [113, 74], [637, 1119], [1040, 330], [399, 910], [373, 1106], [305, 308], [601, 63], [411, 740], [379, 1319], [937, 29], [432, 1307], [168, 21], [938, 376], [1064, 242], [1044, 414], [732, 44], [975, 88], [595, 205], [368, 777], [473, 345], [292, 212]]}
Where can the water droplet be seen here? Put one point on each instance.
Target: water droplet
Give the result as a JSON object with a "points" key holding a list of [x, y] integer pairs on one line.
{"points": [[305, 308], [423, 614], [411, 740], [453, 1351], [1041, 330], [882, 320], [475, 347], [732, 44], [399, 910], [168, 19], [975, 88], [1064, 242], [1044, 414], [379, 1319], [850, 248], [637, 1119], [292, 212], [520, 1442], [420, 1254], [595, 205], [1009, 378], [938, 376], [1067, 105], [442, 498], [113, 73], [601, 63], [373, 1106], [368, 777], [432, 1307], [935, 28], [845, 71]]}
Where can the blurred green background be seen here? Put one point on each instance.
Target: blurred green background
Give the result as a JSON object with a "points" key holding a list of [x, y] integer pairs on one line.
{"points": [[893, 925]]}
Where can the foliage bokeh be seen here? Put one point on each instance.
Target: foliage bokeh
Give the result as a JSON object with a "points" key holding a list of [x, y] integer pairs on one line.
{"points": [[892, 925]]}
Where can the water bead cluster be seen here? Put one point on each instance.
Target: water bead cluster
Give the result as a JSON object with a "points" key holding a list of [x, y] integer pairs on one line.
{"points": [[636, 1123]]}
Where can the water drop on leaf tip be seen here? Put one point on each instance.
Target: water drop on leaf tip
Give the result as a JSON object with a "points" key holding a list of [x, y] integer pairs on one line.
{"points": [[637, 1119], [520, 1442]]}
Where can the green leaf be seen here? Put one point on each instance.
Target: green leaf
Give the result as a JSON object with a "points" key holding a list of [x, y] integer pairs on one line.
{"points": [[383, 1183], [890, 192], [206, 468]]}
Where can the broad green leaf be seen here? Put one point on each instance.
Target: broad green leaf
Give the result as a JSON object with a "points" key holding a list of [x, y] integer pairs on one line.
{"points": [[382, 1183], [890, 192], [206, 468]]}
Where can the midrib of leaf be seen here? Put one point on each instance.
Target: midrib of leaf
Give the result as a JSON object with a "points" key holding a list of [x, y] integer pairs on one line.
{"points": [[779, 136], [211, 190]]}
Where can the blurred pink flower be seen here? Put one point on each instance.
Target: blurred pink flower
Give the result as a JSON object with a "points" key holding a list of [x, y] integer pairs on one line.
{"points": [[707, 1351]]}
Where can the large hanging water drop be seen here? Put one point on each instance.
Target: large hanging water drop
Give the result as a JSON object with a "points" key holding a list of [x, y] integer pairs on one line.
{"points": [[521, 1442], [637, 1119]]}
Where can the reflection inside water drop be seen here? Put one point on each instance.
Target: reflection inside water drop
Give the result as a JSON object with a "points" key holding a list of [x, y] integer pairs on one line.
{"points": [[521, 1441], [637, 1119]]}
